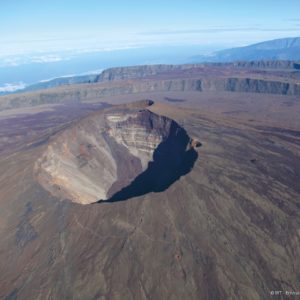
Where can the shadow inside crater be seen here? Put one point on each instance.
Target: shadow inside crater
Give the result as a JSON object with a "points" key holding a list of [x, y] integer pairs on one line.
{"points": [[172, 159]]}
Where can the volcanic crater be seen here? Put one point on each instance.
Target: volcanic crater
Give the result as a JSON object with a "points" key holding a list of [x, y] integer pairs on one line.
{"points": [[116, 154]]}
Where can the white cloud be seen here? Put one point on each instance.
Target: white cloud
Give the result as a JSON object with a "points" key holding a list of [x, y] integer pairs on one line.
{"points": [[10, 62], [52, 57], [14, 61], [46, 58], [12, 87]]}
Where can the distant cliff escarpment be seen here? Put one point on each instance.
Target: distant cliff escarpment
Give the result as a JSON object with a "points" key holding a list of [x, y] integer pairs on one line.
{"points": [[267, 77]]}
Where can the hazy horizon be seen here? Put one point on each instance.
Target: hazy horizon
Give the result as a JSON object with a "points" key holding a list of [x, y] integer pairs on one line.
{"points": [[54, 34], [33, 27]]}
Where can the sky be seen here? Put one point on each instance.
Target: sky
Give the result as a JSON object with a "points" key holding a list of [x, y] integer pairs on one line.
{"points": [[49, 26]]}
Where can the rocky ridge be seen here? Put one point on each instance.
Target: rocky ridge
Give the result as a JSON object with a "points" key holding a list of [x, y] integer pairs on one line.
{"points": [[265, 77], [123, 87]]}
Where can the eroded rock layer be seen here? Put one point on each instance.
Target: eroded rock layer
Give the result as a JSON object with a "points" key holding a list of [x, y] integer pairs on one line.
{"points": [[262, 77], [104, 152]]}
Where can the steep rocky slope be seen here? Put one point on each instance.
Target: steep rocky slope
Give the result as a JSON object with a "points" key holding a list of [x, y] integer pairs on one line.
{"points": [[280, 78], [268, 64], [135, 72], [92, 93], [104, 152], [146, 71]]}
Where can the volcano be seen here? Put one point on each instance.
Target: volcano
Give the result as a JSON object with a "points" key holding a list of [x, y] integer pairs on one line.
{"points": [[192, 193], [102, 154]]}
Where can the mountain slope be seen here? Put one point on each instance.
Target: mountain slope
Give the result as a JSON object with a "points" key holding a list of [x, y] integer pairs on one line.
{"points": [[227, 229], [279, 49]]}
